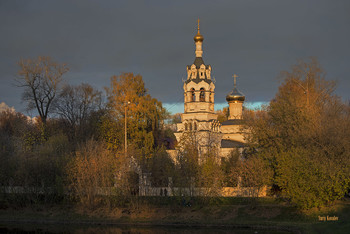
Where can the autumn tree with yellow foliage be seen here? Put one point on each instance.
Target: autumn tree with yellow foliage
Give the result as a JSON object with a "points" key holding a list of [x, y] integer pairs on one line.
{"points": [[145, 115], [304, 136]]}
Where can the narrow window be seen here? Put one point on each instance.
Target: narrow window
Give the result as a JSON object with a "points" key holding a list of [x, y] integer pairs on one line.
{"points": [[192, 95], [202, 95], [195, 126], [185, 126], [190, 126]]}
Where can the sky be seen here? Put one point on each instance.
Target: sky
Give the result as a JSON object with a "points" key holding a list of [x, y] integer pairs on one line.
{"points": [[251, 38]]}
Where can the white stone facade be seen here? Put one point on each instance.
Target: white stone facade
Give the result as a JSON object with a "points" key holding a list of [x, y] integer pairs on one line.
{"points": [[199, 119]]}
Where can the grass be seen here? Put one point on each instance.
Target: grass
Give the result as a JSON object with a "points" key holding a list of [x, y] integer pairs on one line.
{"points": [[237, 212]]}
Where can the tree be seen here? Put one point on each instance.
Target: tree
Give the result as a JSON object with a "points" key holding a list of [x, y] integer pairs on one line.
{"points": [[197, 164], [175, 118], [40, 79], [229, 167], [222, 114], [161, 168], [93, 167], [145, 114], [76, 105], [13, 126], [43, 165], [303, 136], [310, 178], [254, 173], [188, 156], [210, 176]]}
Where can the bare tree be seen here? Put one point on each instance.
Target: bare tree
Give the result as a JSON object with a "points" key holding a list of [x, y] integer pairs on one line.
{"points": [[40, 79], [75, 103]]}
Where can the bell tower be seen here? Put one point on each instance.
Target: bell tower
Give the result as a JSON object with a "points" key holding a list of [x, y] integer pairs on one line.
{"points": [[199, 127], [199, 87], [199, 117]]}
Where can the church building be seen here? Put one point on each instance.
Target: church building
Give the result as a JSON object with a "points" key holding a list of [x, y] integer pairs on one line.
{"points": [[199, 121], [201, 131]]}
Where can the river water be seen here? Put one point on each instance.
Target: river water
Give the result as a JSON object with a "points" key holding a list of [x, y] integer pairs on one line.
{"points": [[106, 229]]}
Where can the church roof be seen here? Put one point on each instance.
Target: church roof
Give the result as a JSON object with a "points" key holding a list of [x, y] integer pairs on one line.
{"points": [[197, 80], [231, 144], [198, 61], [235, 95], [233, 122]]}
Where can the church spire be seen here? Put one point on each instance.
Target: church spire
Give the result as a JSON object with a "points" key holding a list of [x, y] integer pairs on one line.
{"points": [[198, 39]]}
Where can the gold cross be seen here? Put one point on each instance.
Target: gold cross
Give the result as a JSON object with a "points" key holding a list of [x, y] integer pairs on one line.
{"points": [[198, 24], [234, 79]]}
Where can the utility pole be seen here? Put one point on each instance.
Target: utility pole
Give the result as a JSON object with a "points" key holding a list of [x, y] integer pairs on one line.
{"points": [[125, 131]]}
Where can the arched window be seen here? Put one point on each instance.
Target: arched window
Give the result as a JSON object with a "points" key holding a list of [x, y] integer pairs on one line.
{"points": [[185, 126], [193, 97], [195, 126], [190, 126], [202, 95], [209, 96]]}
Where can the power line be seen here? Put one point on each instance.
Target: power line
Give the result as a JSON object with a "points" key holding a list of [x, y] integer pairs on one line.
{"points": [[177, 102]]}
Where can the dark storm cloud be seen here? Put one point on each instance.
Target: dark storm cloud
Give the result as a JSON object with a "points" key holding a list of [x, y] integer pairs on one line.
{"points": [[255, 39]]}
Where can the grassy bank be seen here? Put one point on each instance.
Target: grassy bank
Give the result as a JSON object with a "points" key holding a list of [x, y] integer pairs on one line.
{"points": [[231, 212]]}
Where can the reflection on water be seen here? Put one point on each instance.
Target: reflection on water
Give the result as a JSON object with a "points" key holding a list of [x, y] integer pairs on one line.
{"points": [[106, 229]]}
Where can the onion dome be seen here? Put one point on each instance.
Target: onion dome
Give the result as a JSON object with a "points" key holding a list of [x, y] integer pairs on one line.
{"points": [[198, 37], [235, 94]]}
